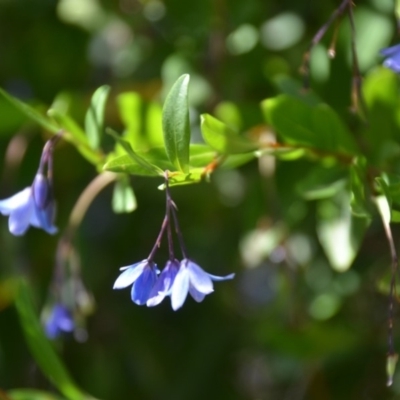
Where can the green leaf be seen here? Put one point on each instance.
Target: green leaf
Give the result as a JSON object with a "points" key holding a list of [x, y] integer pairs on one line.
{"points": [[315, 127], [41, 348], [94, 118], [176, 125], [322, 183], [339, 231], [360, 196], [201, 155], [129, 105], [389, 185], [144, 165], [222, 138], [381, 94], [30, 112], [180, 178], [154, 130], [124, 200], [31, 394], [74, 134]]}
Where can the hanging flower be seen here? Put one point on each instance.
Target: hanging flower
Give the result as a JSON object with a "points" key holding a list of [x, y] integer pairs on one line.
{"points": [[59, 321], [164, 283], [35, 204], [32, 206], [142, 276], [194, 280], [392, 57]]}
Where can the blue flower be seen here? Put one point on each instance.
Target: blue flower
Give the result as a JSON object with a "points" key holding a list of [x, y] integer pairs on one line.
{"points": [[60, 320], [164, 283], [392, 55], [142, 276], [32, 206], [194, 280]]}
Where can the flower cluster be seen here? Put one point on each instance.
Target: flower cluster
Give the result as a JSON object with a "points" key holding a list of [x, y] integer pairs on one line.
{"points": [[35, 204], [177, 279]]}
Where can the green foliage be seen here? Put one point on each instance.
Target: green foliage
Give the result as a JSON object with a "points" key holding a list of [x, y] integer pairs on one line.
{"points": [[316, 127], [289, 199], [41, 348]]}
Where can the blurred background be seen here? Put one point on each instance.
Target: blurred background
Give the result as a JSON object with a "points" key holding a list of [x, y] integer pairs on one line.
{"points": [[289, 326]]}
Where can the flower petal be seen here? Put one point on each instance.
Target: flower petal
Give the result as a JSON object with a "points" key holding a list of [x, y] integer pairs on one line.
{"points": [[14, 202], [199, 278], [390, 51], [221, 278], [142, 286], [44, 218], [180, 288], [20, 217], [198, 296], [130, 274], [164, 283]]}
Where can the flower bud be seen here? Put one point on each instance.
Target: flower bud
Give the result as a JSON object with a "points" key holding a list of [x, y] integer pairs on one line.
{"points": [[41, 192]]}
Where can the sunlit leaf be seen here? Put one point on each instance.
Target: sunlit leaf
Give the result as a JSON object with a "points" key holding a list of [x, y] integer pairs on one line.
{"points": [[124, 200], [381, 93], [30, 112], [176, 125], [339, 231], [222, 138], [94, 119], [154, 130], [129, 105], [180, 178], [144, 165], [316, 127], [41, 348]]}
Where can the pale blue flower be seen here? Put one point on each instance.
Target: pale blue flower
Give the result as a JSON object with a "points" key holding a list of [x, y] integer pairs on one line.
{"points": [[59, 321], [32, 206], [194, 280], [142, 276], [164, 283], [392, 55]]}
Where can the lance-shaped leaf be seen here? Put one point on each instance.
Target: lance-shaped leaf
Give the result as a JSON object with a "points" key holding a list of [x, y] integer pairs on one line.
{"points": [[41, 349], [30, 112], [176, 125], [222, 138], [94, 118], [144, 165]]}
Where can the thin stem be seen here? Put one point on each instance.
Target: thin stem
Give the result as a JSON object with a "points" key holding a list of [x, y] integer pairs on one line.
{"points": [[86, 198], [392, 290], [172, 207], [178, 230], [357, 97], [157, 244], [305, 68]]}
